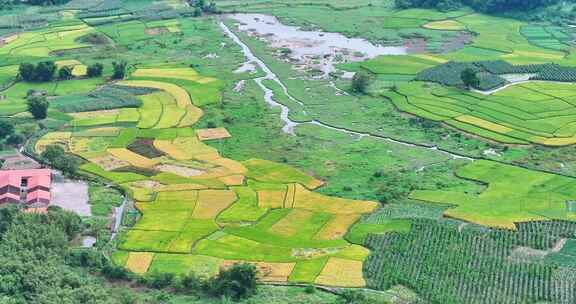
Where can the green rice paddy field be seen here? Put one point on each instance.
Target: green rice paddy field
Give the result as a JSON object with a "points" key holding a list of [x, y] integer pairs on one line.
{"points": [[214, 181]]}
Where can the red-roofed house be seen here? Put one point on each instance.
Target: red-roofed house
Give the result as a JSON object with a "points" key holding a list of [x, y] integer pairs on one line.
{"points": [[31, 187]]}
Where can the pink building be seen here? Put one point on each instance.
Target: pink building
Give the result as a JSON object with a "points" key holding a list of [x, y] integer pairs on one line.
{"points": [[31, 187]]}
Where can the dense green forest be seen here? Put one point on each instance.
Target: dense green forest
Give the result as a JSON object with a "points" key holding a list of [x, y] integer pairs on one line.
{"points": [[33, 254], [8, 3], [487, 6]]}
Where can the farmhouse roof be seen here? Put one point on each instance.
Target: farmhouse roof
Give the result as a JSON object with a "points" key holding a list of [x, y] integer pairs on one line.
{"points": [[37, 188]]}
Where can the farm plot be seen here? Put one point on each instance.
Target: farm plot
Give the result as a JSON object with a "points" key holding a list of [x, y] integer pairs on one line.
{"points": [[7, 74], [470, 265], [202, 90], [125, 33], [41, 43], [214, 133], [549, 37], [139, 262], [513, 195], [341, 273], [538, 112], [448, 25], [15, 96], [191, 199], [505, 43]]}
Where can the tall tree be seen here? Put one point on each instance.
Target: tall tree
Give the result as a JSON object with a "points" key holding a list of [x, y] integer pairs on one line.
{"points": [[94, 70], [6, 129], [119, 69], [38, 106], [360, 82], [236, 282], [65, 73], [45, 71], [469, 78], [26, 71], [57, 158]]}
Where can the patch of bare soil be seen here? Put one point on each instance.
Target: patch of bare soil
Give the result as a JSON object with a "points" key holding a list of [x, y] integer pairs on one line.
{"points": [[72, 196], [109, 162], [146, 184], [416, 45], [527, 254], [156, 31], [19, 162], [457, 42], [145, 147], [179, 170]]}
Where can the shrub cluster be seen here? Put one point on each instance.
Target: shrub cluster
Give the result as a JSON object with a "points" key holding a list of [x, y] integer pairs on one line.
{"points": [[57, 158], [41, 72]]}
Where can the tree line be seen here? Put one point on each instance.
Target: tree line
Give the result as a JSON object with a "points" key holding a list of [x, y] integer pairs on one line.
{"points": [[486, 6], [47, 71], [5, 4]]}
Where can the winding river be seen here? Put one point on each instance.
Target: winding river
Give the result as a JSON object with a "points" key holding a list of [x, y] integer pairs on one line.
{"points": [[289, 125]]}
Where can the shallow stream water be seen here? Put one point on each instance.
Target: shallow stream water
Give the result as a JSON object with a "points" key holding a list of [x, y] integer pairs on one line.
{"points": [[321, 50], [316, 43]]}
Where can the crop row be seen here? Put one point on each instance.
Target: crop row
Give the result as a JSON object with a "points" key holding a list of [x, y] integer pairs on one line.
{"points": [[490, 81], [447, 74], [502, 67], [556, 73], [550, 37], [544, 234], [106, 98], [445, 265]]}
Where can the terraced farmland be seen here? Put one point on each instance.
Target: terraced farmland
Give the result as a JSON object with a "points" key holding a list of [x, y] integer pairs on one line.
{"points": [[537, 112], [196, 204]]}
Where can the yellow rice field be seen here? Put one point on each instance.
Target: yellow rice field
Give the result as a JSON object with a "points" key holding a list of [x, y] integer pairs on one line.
{"points": [[193, 114], [180, 95], [232, 180], [341, 273], [109, 162], [337, 227], [290, 195], [271, 199], [447, 25], [291, 223], [176, 73], [55, 138], [306, 199], [139, 262], [168, 147], [212, 202], [483, 124]]}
